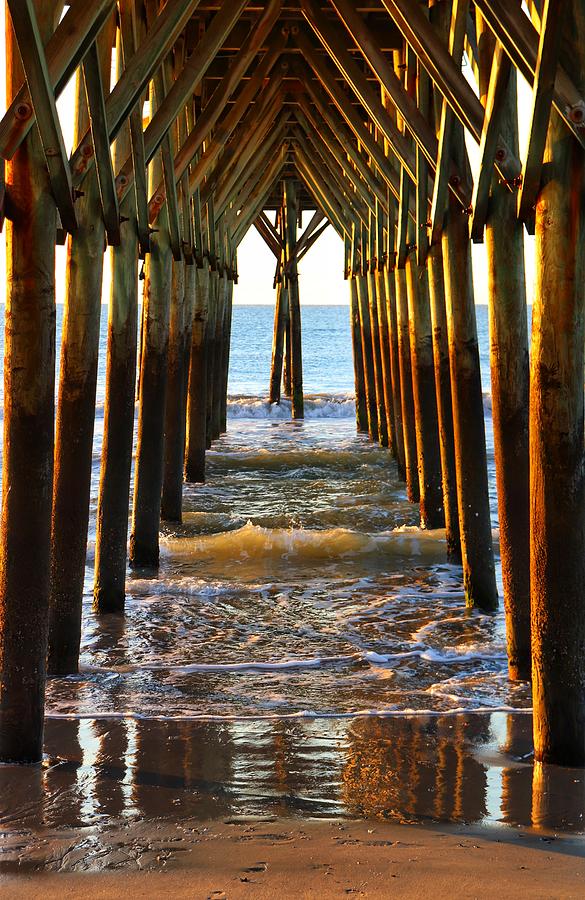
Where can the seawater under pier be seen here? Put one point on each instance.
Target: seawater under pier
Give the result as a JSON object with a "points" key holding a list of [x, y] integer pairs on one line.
{"points": [[196, 121]]}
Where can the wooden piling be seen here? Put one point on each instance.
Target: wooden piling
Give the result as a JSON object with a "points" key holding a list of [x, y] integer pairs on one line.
{"points": [[111, 547], [148, 471], [424, 396], [287, 363], [406, 390], [361, 410], [390, 292], [171, 508], [444, 401], [280, 317], [376, 348], [367, 353], [226, 354], [292, 276], [76, 407], [197, 391], [382, 310], [557, 469], [220, 326], [468, 421], [29, 376], [509, 381]]}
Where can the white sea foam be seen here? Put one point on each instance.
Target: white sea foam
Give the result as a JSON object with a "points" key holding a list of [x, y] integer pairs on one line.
{"points": [[317, 406]]}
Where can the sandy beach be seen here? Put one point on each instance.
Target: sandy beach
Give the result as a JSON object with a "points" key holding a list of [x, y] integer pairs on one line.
{"points": [[289, 858]]}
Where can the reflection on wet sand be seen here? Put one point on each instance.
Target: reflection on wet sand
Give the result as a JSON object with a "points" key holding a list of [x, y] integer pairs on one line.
{"points": [[117, 792]]}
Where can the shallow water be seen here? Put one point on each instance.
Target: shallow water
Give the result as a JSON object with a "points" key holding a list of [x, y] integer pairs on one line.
{"points": [[304, 649]]}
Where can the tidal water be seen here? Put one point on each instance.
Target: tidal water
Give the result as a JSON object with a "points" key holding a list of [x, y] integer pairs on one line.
{"points": [[304, 649]]}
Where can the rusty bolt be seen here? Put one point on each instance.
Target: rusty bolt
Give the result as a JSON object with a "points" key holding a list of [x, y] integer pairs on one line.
{"points": [[23, 111], [122, 180], [77, 193], [577, 113], [455, 180], [87, 151], [500, 154]]}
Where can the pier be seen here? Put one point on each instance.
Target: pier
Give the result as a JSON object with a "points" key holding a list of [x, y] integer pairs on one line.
{"points": [[292, 117]]}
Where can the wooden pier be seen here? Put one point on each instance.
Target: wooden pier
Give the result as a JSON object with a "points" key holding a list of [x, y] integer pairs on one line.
{"points": [[292, 116]]}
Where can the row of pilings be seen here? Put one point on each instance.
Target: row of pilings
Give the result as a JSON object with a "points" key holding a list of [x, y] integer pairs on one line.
{"points": [[180, 352], [418, 392]]}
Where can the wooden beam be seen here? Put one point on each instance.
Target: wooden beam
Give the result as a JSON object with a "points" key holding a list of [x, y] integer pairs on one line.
{"points": [[270, 227], [335, 46], [65, 49], [267, 236], [435, 57], [32, 52], [488, 147], [137, 73], [257, 198], [333, 131], [312, 240], [316, 220], [328, 202], [542, 98], [521, 41], [94, 90], [129, 47], [457, 31], [332, 150], [327, 78]]}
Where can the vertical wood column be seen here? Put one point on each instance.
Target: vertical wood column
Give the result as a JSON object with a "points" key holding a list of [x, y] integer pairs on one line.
{"points": [[376, 338], [280, 321], [382, 308], [468, 422], [171, 508], [390, 286], [510, 380], [557, 466], [366, 330], [76, 406], [197, 390], [220, 324], [291, 216], [29, 378], [211, 348], [227, 340], [361, 410], [424, 396], [148, 474], [406, 391], [114, 492], [444, 401]]}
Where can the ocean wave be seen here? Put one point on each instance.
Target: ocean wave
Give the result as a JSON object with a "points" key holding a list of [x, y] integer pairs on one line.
{"points": [[381, 713], [317, 406], [254, 542]]}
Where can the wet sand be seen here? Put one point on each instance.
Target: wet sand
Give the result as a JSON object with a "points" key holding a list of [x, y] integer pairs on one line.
{"points": [[284, 858]]}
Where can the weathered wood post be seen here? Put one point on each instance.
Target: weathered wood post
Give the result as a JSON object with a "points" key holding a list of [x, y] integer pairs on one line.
{"points": [[292, 276], [280, 320], [197, 391], [211, 346], [220, 324], [376, 336], [148, 473], [114, 492], [382, 308], [557, 468], [406, 390], [227, 340], [361, 409], [424, 395], [29, 377], [444, 401], [468, 422], [510, 380], [171, 507], [391, 315], [366, 335], [76, 404], [287, 362]]}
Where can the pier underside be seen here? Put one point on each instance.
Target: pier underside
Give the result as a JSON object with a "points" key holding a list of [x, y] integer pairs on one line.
{"points": [[195, 122]]}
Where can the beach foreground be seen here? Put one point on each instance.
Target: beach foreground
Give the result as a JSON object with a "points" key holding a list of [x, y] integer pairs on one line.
{"points": [[258, 858]]}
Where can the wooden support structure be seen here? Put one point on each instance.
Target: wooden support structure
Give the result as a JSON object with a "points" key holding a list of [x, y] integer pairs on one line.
{"points": [[557, 484], [29, 377], [114, 491], [295, 109], [76, 405]]}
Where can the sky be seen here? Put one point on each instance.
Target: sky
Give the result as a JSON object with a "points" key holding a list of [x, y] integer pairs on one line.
{"points": [[321, 270]]}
